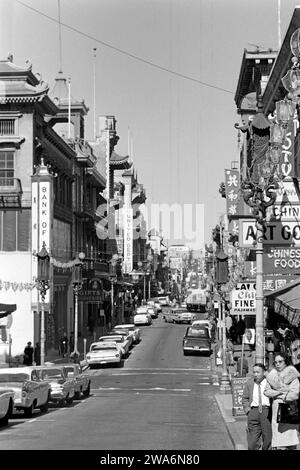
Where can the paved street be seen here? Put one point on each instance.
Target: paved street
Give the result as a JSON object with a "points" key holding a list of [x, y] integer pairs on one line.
{"points": [[160, 399]]}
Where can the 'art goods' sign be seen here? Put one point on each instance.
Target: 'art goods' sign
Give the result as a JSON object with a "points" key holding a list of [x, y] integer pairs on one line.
{"points": [[243, 299], [275, 233]]}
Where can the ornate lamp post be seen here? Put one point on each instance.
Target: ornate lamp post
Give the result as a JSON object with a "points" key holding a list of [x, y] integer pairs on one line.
{"points": [[149, 259], [140, 265], [43, 286], [77, 286], [113, 278], [259, 189]]}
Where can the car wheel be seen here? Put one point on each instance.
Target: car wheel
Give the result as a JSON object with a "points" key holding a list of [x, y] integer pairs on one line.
{"points": [[185, 353], [70, 400], [28, 411], [87, 392], [4, 420], [77, 395], [62, 402], [45, 407]]}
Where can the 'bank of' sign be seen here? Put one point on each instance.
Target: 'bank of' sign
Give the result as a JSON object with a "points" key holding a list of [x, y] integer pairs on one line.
{"points": [[275, 233]]}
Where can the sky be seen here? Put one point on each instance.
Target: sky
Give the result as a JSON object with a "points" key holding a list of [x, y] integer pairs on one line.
{"points": [[167, 70]]}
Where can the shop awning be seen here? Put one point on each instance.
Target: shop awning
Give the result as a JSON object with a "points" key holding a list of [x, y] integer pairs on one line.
{"points": [[285, 301], [6, 309]]}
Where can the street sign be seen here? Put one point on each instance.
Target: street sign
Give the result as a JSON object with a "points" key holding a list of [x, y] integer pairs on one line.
{"points": [[237, 386], [275, 233]]}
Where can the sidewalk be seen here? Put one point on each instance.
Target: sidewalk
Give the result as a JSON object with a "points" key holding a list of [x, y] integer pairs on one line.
{"points": [[236, 425]]}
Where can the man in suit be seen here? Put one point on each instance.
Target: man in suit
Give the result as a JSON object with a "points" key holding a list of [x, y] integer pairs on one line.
{"points": [[258, 410]]}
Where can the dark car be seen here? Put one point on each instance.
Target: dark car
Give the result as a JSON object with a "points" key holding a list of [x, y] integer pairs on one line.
{"points": [[196, 340]]}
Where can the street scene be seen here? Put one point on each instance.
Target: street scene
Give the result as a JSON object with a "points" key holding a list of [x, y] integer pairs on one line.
{"points": [[149, 228]]}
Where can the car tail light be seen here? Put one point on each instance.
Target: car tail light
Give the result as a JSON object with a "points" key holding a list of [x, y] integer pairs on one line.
{"points": [[185, 341]]}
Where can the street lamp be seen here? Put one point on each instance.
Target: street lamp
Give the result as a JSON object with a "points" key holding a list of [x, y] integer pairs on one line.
{"points": [[259, 190], [140, 265], [113, 278], [149, 264], [43, 285], [77, 286]]}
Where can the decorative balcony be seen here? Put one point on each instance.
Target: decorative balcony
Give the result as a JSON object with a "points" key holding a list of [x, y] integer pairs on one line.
{"points": [[10, 192]]}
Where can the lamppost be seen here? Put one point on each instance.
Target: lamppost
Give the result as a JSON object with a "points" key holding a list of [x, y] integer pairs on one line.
{"points": [[149, 265], [140, 265], [43, 285], [259, 189], [77, 286], [113, 278]]}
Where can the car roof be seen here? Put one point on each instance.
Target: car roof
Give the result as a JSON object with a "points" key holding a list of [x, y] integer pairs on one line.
{"points": [[102, 344], [127, 325]]}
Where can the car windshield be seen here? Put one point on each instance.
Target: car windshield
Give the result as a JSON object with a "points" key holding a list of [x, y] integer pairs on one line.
{"points": [[196, 333], [6, 378], [52, 373], [117, 339], [102, 347]]}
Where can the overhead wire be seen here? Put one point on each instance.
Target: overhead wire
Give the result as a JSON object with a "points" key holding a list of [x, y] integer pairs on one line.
{"points": [[122, 51]]}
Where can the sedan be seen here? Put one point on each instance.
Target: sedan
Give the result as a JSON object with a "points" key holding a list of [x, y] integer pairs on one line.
{"points": [[29, 391], [126, 333], [120, 340], [6, 405], [136, 332], [62, 386], [82, 379], [104, 353], [196, 341], [142, 319]]}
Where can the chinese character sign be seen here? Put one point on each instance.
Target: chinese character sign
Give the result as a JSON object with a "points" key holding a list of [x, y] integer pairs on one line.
{"points": [[232, 190]]}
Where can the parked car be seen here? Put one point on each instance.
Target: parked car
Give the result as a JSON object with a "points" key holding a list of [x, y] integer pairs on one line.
{"points": [[29, 391], [153, 311], [136, 332], [82, 379], [101, 353], [141, 309], [120, 340], [6, 405], [202, 323], [62, 387], [126, 333], [142, 319], [163, 300], [196, 340], [184, 316]]}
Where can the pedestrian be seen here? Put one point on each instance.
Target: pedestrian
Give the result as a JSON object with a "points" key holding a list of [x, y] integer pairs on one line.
{"points": [[28, 354], [228, 323], [37, 354], [64, 344], [258, 410], [283, 386], [242, 366], [240, 330]]}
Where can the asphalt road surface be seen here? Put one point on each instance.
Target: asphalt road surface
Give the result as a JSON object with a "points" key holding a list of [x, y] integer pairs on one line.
{"points": [[159, 400]]}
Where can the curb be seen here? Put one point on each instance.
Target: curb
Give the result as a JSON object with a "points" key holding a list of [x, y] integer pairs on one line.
{"points": [[230, 424]]}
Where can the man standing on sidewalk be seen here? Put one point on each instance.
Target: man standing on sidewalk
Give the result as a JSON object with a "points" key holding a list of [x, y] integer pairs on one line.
{"points": [[257, 408]]}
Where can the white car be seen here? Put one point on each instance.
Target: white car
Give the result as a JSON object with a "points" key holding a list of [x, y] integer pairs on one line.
{"points": [[136, 332], [198, 324], [142, 309], [62, 386], [122, 332], [101, 353], [29, 391], [121, 341], [142, 319], [6, 405]]}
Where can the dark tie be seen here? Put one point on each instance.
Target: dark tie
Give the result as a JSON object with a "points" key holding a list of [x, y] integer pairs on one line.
{"points": [[259, 399]]}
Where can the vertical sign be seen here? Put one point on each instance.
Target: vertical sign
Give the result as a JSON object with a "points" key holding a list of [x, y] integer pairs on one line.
{"points": [[34, 236], [128, 240], [288, 166], [44, 214], [232, 189]]}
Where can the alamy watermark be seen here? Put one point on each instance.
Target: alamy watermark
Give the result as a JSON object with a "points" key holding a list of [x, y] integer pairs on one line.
{"points": [[175, 221]]}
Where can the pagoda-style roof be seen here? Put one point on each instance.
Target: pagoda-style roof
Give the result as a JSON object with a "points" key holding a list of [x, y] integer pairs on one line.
{"points": [[118, 162], [254, 65], [20, 85], [60, 95]]}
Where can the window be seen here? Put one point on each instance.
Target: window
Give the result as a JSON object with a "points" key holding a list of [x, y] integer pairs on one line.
{"points": [[15, 230], [7, 127], [6, 168]]}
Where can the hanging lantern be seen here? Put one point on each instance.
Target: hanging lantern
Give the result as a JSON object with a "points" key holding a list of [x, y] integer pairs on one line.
{"points": [[276, 134], [43, 264], [285, 110], [295, 43]]}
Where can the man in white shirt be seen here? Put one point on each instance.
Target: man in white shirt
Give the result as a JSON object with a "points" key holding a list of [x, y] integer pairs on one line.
{"points": [[258, 410]]}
